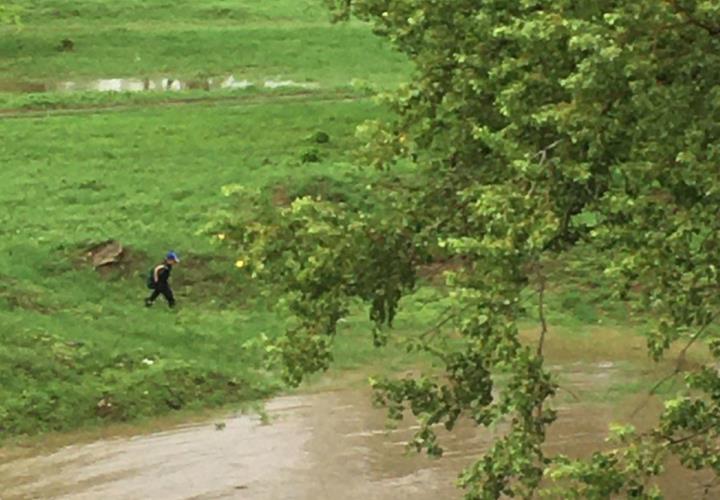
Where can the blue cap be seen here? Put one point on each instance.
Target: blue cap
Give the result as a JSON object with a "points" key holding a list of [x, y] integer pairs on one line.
{"points": [[172, 256]]}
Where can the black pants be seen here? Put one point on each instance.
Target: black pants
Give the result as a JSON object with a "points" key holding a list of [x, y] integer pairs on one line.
{"points": [[164, 290]]}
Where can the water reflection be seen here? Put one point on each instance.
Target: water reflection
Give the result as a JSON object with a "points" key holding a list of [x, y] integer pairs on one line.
{"points": [[148, 85]]}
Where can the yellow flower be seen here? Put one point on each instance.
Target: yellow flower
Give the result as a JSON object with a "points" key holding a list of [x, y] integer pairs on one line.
{"points": [[221, 236], [240, 264]]}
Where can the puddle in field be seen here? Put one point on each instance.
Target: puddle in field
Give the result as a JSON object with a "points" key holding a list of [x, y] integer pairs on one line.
{"points": [[276, 84], [148, 85], [331, 445]]}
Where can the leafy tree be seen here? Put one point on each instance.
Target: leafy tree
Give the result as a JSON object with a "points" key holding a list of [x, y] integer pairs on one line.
{"points": [[535, 125]]}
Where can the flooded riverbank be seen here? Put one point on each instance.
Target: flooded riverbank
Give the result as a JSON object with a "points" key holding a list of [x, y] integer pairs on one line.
{"points": [[328, 445]]}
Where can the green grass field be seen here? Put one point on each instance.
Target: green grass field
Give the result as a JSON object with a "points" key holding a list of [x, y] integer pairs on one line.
{"points": [[281, 40], [77, 346], [289, 39]]}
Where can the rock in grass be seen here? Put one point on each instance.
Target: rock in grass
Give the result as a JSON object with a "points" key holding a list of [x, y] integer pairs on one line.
{"points": [[105, 253]]}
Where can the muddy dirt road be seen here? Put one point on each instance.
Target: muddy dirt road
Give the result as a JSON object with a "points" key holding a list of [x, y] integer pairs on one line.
{"points": [[331, 445]]}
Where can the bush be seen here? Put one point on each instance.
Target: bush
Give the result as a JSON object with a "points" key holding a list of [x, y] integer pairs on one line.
{"points": [[310, 156], [321, 137]]}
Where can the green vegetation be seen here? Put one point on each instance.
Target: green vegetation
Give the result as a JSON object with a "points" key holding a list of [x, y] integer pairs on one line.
{"points": [[21, 104], [186, 40], [502, 181], [9, 14], [285, 39], [539, 129], [152, 179], [78, 347]]}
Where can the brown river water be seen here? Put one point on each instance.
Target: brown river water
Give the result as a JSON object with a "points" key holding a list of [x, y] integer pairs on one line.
{"points": [[328, 445]]}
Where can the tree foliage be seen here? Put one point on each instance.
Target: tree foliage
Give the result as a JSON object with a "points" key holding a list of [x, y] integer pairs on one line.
{"points": [[534, 125]]}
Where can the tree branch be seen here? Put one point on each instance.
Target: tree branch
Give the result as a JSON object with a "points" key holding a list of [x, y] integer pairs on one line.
{"points": [[679, 9], [710, 485], [704, 430], [679, 362], [543, 152], [694, 338], [543, 158], [572, 393], [541, 311], [543, 322], [436, 328]]}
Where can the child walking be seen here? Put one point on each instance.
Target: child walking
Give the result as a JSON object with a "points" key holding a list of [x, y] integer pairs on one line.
{"points": [[158, 280]]}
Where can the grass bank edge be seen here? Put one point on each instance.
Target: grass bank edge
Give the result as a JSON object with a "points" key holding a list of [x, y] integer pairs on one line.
{"points": [[19, 105]]}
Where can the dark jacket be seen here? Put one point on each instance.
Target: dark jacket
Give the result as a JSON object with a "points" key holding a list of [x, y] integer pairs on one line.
{"points": [[163, 274]]}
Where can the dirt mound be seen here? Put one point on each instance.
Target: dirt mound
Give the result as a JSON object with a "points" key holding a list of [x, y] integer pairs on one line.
{"points": [[113, 259], [106, 253]]}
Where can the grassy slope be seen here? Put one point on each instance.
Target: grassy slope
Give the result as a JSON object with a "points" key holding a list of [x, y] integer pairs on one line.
{"points": [[77, 347], [152, 179]]}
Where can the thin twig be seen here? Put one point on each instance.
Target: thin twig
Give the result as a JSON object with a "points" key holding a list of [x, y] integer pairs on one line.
{"points": [[690, 437], [532, 190], [541, 311], [653, 391], [679, 363], [436, 328], [710, 485], [697, 336], [543, 152], [543, 322], [543, 157], [572, 393]]}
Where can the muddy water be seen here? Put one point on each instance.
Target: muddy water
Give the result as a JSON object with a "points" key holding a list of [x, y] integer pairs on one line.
{"points": [[331, 445], [148, 84]]}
